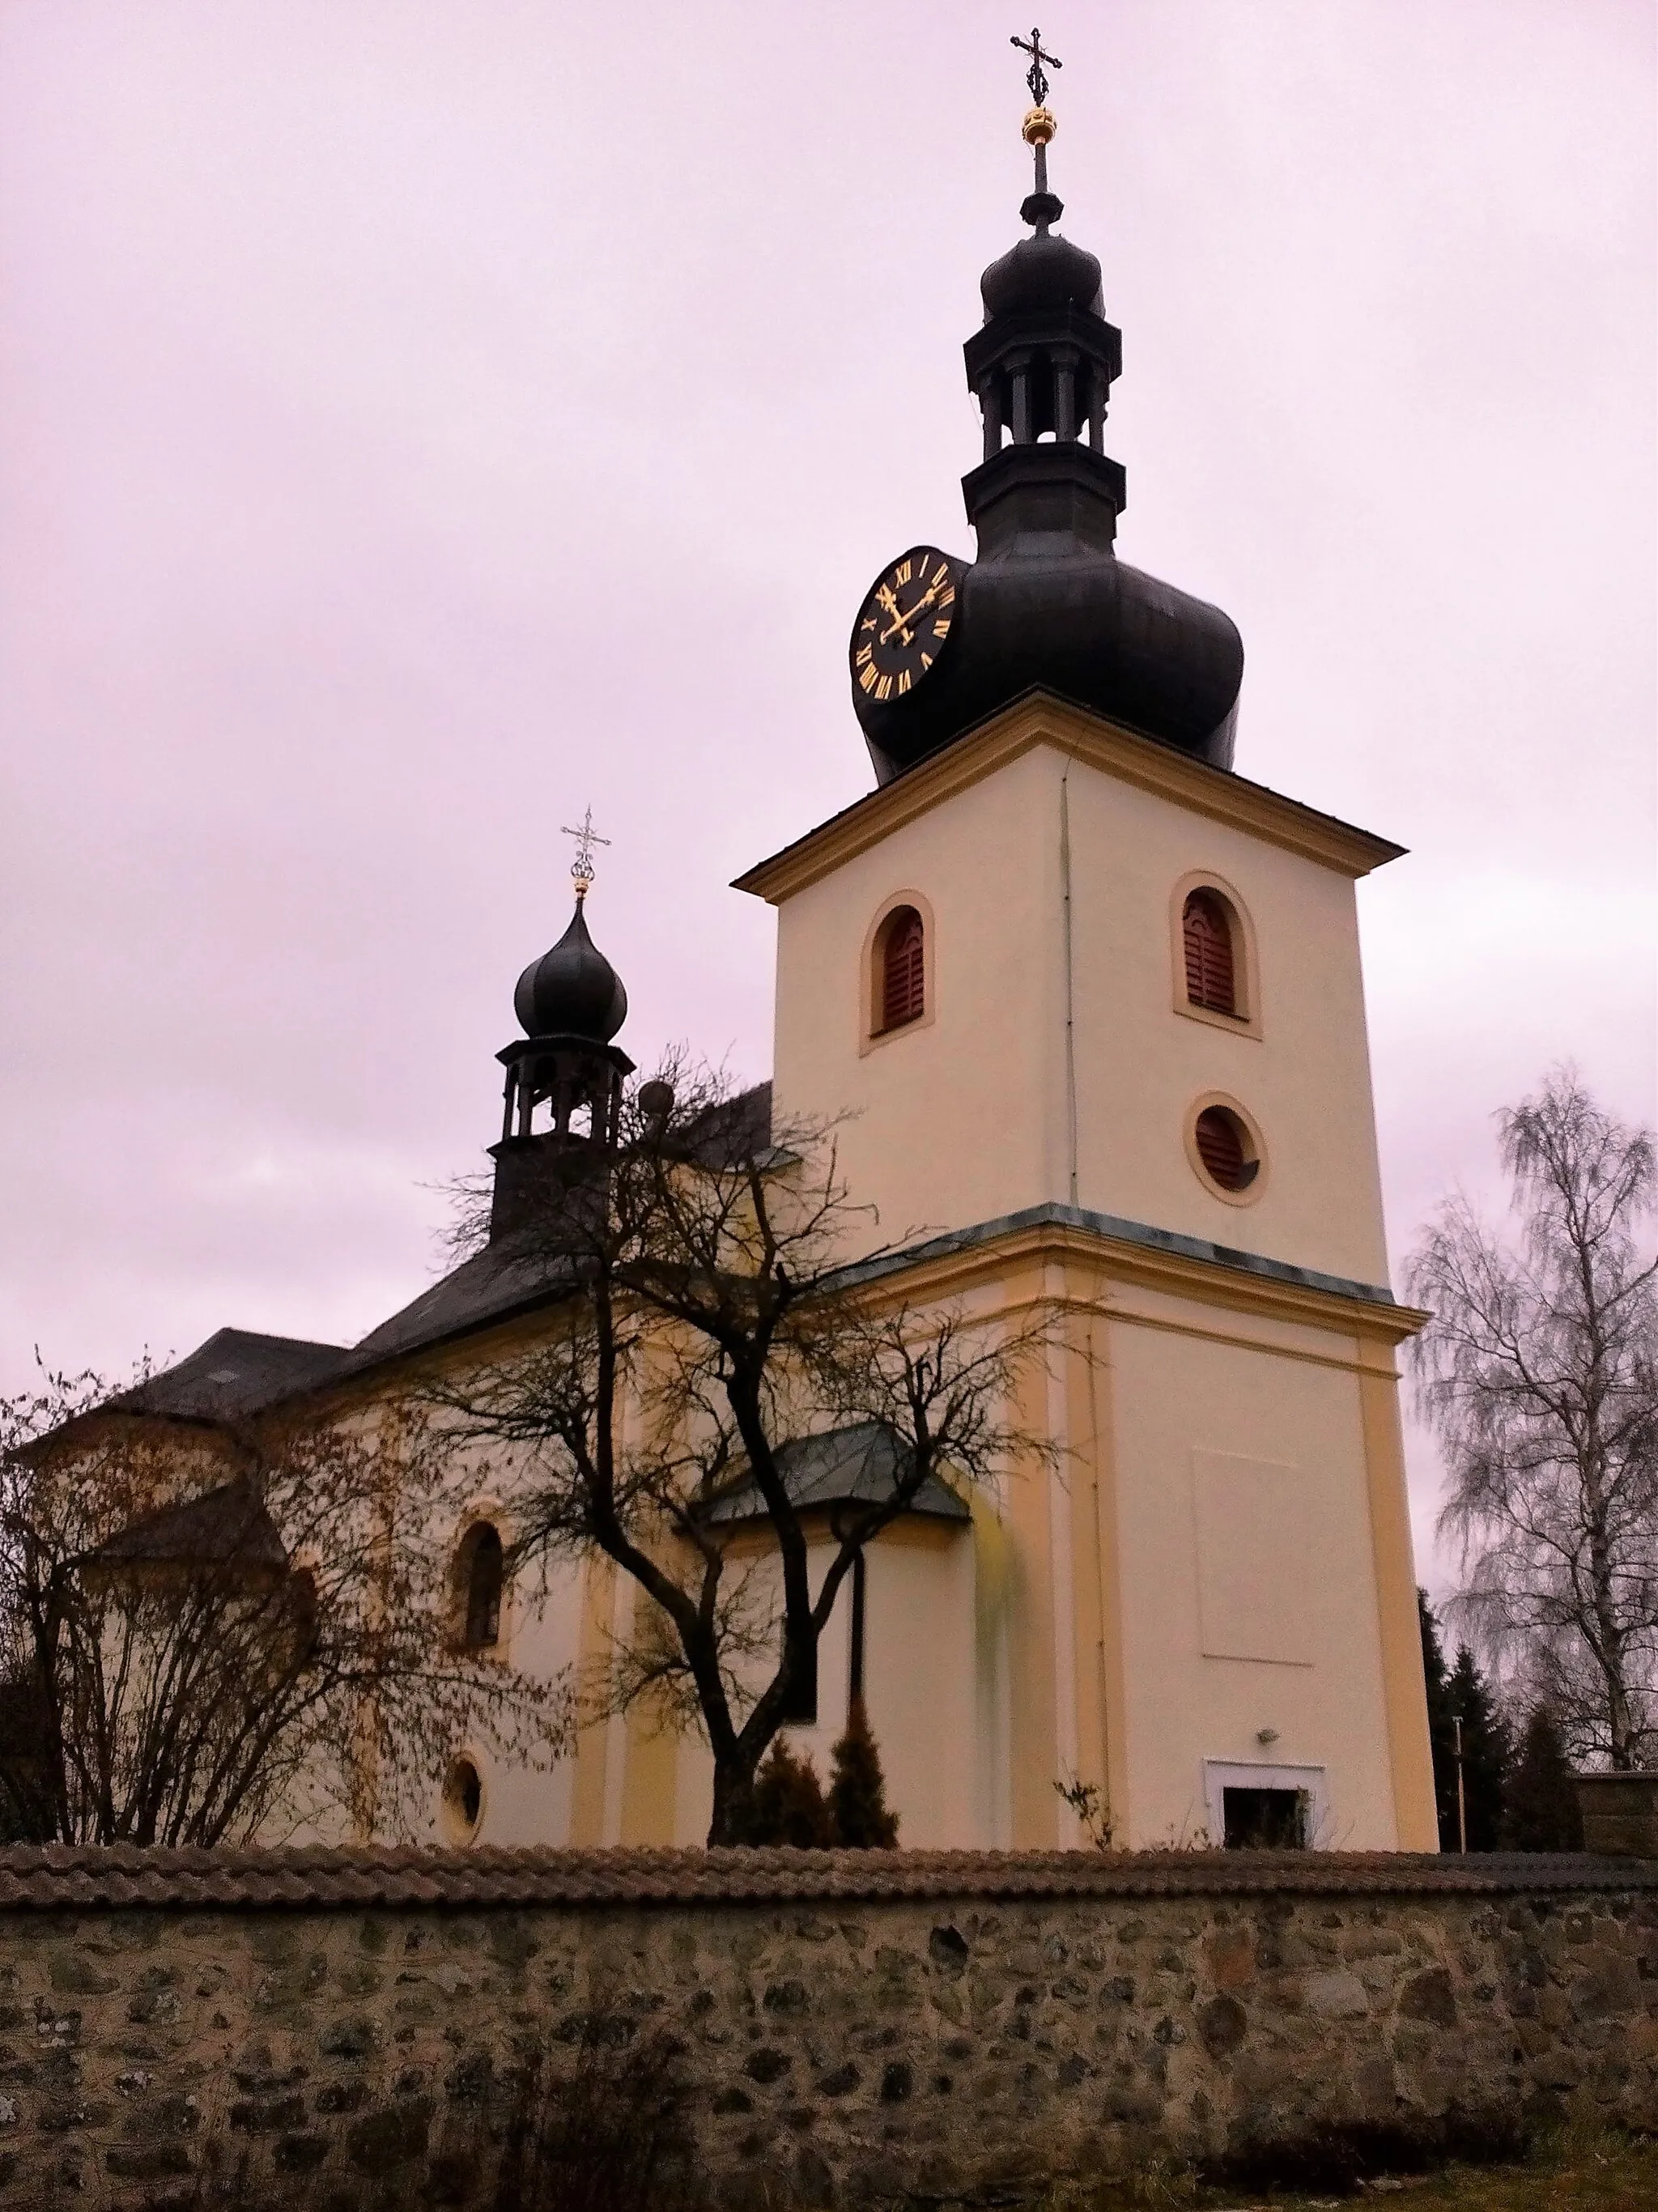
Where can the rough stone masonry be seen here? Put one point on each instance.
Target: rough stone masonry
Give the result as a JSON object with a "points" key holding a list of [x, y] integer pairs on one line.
{"points": [[343, 2029]]}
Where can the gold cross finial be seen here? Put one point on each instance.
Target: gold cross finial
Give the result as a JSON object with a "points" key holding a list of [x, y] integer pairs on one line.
{"points": [[581, 868]]}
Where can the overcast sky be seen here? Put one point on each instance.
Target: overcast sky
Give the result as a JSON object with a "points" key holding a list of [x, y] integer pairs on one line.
{"points": [[422, 420]]}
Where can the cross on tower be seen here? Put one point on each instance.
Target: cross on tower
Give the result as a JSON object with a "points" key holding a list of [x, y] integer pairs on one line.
{"points": [[1035, 76], [581, 868]]}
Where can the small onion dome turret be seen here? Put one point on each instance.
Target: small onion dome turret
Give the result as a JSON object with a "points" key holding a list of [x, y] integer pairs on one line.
{"points": [[572, 991], [1040, 274]]}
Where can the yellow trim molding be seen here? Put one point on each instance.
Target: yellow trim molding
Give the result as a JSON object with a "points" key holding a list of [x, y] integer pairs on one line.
{"points": [[1041, 719]]}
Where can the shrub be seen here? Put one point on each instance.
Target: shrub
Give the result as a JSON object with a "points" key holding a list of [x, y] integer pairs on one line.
{"points": [[607, 2135], [858, 1796], [1342, 2156], [788, 1802]]}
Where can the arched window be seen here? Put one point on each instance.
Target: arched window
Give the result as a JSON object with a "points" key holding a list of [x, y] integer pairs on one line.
{"points": [[483, 1569], [1210, 965], [903, 970]]}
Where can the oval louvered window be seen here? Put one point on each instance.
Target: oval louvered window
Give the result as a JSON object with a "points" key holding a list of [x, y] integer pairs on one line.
{"points": [[903, 969], [1211, 969], [1225, 1150]]}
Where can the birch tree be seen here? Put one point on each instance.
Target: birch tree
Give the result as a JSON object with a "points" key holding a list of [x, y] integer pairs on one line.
{"points": [[1539, 1373]]}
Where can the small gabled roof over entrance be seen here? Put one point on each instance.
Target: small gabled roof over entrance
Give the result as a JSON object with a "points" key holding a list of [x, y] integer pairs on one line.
{"points": [[853, 1466]]}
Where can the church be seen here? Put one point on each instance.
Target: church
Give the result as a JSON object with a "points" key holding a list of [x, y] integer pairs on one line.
{"points": [[1085, 1005]]}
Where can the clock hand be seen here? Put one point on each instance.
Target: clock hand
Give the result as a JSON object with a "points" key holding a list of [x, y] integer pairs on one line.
{"points": [[907, 620], [889, 599]]}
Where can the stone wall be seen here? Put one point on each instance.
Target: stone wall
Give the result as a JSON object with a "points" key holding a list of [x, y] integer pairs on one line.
{"points": [[324, 2027]]}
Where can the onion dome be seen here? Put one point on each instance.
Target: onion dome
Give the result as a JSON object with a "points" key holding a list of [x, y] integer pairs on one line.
{"points": [[1046, 605], [1040, 273], [572, 991]]}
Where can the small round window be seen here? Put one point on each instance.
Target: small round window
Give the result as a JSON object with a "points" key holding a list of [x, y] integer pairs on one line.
{"points": [[1226, 1149], [463, 1799]]}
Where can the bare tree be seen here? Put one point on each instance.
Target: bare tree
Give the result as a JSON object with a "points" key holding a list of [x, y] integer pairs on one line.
{"points": [[207, 1632], [710, 1331], [1540, 1374]]}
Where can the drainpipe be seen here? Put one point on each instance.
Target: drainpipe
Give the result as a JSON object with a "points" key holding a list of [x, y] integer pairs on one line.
{"points": [[1070, 1007]]}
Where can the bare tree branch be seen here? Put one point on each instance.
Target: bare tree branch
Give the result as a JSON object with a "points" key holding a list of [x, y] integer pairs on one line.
{"points": [[207, 1632], [711, 1325], [1540, 1375]]}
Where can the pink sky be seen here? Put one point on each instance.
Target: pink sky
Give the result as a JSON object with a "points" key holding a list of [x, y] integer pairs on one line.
{"points": [[420, 420]]}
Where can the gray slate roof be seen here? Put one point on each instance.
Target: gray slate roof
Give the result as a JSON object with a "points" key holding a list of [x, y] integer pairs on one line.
{"points": [[520, 1273], [844, 1466], [493, 1285], [235, 1373], [222, 1527]]}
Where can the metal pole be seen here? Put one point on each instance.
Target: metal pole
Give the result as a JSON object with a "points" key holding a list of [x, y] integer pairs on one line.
{"points": [[1462, 1797]]}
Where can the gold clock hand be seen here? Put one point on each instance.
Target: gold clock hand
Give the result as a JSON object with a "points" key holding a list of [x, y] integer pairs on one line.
{"points": [[906, 620]]}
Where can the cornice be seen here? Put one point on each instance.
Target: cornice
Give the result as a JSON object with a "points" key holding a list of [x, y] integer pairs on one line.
{"points": [[1040, 718], [1130, 1252]]}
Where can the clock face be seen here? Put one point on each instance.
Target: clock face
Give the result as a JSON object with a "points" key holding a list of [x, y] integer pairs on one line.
{"points": [[905, 623]]}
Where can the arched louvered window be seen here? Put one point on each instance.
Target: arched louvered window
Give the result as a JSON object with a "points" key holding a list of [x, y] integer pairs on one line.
{"points": [[903, 968], [1224, 1148], [1210, 963], [484, 1569]]}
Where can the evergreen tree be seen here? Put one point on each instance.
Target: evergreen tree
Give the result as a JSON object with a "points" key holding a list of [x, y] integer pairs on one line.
{"points": [[1440, 1733], [857, 1798], [788, 1802], [1487, 1751], [1541, 1812], [1462, 1693]]}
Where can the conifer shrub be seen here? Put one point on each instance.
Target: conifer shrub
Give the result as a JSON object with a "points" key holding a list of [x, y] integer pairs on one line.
{"points": [[1541, 1812], [858, 1794], [790, 1806], [788, 1802]]}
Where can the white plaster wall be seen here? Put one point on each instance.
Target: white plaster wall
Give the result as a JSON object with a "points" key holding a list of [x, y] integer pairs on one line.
{"points": [[919, 1686], [1140, 1065], [524, 1804], [965, 1118], [1174, 1393], [919, 1689], [957, 1120]]}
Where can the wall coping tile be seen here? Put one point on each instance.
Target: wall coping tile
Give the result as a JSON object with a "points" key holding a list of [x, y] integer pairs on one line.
{"points": [[61, 1877]]}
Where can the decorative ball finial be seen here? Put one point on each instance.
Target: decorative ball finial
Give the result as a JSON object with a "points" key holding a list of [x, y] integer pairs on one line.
{"points": [[1038, 127]]}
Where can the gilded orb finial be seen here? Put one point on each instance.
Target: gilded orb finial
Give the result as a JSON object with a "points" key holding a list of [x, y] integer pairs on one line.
{"points": [[1038, 127]]}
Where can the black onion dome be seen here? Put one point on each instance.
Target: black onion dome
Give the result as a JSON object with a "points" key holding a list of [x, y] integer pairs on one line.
{"points": [[1047, 606], [1072, 619], [1042, 272], [572, 991]]}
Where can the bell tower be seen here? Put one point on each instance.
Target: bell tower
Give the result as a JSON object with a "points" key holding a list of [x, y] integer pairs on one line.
{"points": [[1048, 604], [1085, 1005]]}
